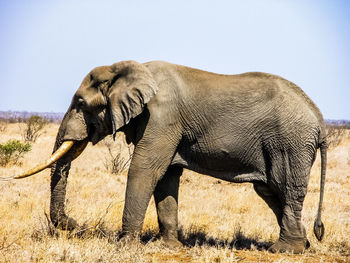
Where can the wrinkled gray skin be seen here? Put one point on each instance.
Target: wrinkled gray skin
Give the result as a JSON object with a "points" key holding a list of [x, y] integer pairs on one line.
{"points": [[252, 127]]}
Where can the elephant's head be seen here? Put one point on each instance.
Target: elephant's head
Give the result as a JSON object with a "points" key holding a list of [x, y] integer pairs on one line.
{"points": [[107, 99]]}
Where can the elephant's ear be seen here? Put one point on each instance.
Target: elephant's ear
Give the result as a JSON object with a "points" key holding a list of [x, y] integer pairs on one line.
{"points": [[131, 87]]}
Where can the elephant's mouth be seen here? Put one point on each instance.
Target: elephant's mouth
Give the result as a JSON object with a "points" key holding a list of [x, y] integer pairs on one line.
{"points": [[58, 154], [98, 131], [93, 135]]}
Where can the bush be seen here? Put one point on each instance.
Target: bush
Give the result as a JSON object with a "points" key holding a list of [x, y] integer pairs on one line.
{"points": [[117, 159], [3, 126], [33, 126], [335, 135], [12, 151]]}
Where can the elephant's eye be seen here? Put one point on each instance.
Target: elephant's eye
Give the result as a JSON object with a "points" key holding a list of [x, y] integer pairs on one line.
{"points": [[81, 103]]}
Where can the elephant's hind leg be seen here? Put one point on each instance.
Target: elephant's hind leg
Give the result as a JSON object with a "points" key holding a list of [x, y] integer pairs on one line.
{"points": [[292, 186], [166, 199], [271, 199]]}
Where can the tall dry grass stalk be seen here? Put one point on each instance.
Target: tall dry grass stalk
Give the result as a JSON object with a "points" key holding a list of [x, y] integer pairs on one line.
{"points": [[219, 221]]}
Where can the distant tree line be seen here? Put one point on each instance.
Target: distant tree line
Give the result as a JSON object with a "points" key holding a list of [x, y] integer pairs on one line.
{"points": [[340, 124], [23, 116]]}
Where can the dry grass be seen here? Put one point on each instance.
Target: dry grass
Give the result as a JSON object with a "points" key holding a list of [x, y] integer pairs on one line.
{"points": [[219, 221]]}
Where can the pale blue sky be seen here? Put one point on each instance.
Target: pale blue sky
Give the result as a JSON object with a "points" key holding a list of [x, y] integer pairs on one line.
{"points": [[47, 47]]}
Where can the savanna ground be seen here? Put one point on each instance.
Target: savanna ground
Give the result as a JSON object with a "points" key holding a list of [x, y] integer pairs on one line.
{"points": [[218, 221]]}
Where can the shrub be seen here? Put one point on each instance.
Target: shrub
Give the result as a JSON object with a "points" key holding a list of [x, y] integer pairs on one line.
{"points": [[12, 151], [3, 126], [32, 128], [335, 135], [117, 159]]}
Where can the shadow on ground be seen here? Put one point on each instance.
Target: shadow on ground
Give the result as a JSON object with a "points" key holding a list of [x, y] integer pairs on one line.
{"points": [[188, 238], [240, 241]]}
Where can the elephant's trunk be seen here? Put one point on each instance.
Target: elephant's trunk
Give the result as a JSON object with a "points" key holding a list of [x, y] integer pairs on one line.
{"points": [[59, 176]]}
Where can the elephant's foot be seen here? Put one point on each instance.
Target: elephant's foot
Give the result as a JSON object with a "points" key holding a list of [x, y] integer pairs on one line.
{"points": [[126, 238], [295, 246], [65, 223], [169, 238], [171, 242]]}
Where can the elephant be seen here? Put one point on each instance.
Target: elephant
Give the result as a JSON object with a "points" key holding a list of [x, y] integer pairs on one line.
{"points": [[252, 127]]}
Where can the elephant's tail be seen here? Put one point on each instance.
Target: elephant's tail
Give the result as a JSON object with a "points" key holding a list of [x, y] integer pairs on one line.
{"points": [[318, 225]]}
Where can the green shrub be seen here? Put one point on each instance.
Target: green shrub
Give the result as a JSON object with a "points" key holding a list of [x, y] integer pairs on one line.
{"points": [[12, 151], [33, 126]]}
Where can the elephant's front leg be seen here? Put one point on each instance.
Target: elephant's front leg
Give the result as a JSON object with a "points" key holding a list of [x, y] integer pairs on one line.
{"points": [[151, 160], [166, 198]]}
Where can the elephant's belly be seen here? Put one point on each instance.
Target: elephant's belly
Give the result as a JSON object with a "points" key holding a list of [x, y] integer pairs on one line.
{"points": [[223, 164]]}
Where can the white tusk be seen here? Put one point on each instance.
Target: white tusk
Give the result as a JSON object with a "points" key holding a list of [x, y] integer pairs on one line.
{"points": [[54, 157]]}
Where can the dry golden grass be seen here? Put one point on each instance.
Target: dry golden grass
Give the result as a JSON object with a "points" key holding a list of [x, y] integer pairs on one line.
{"points": [[219, 221]]}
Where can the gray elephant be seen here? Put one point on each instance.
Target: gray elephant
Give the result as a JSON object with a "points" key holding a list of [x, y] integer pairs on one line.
{"points": [[252, 127]]}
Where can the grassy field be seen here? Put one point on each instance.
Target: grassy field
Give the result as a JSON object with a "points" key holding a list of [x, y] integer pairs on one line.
{"points": [[218, 221]]}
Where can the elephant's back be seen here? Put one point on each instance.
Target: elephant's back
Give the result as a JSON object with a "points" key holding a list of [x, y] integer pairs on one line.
{"points": [[251, 98], [289, 99], [304, 110]]}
